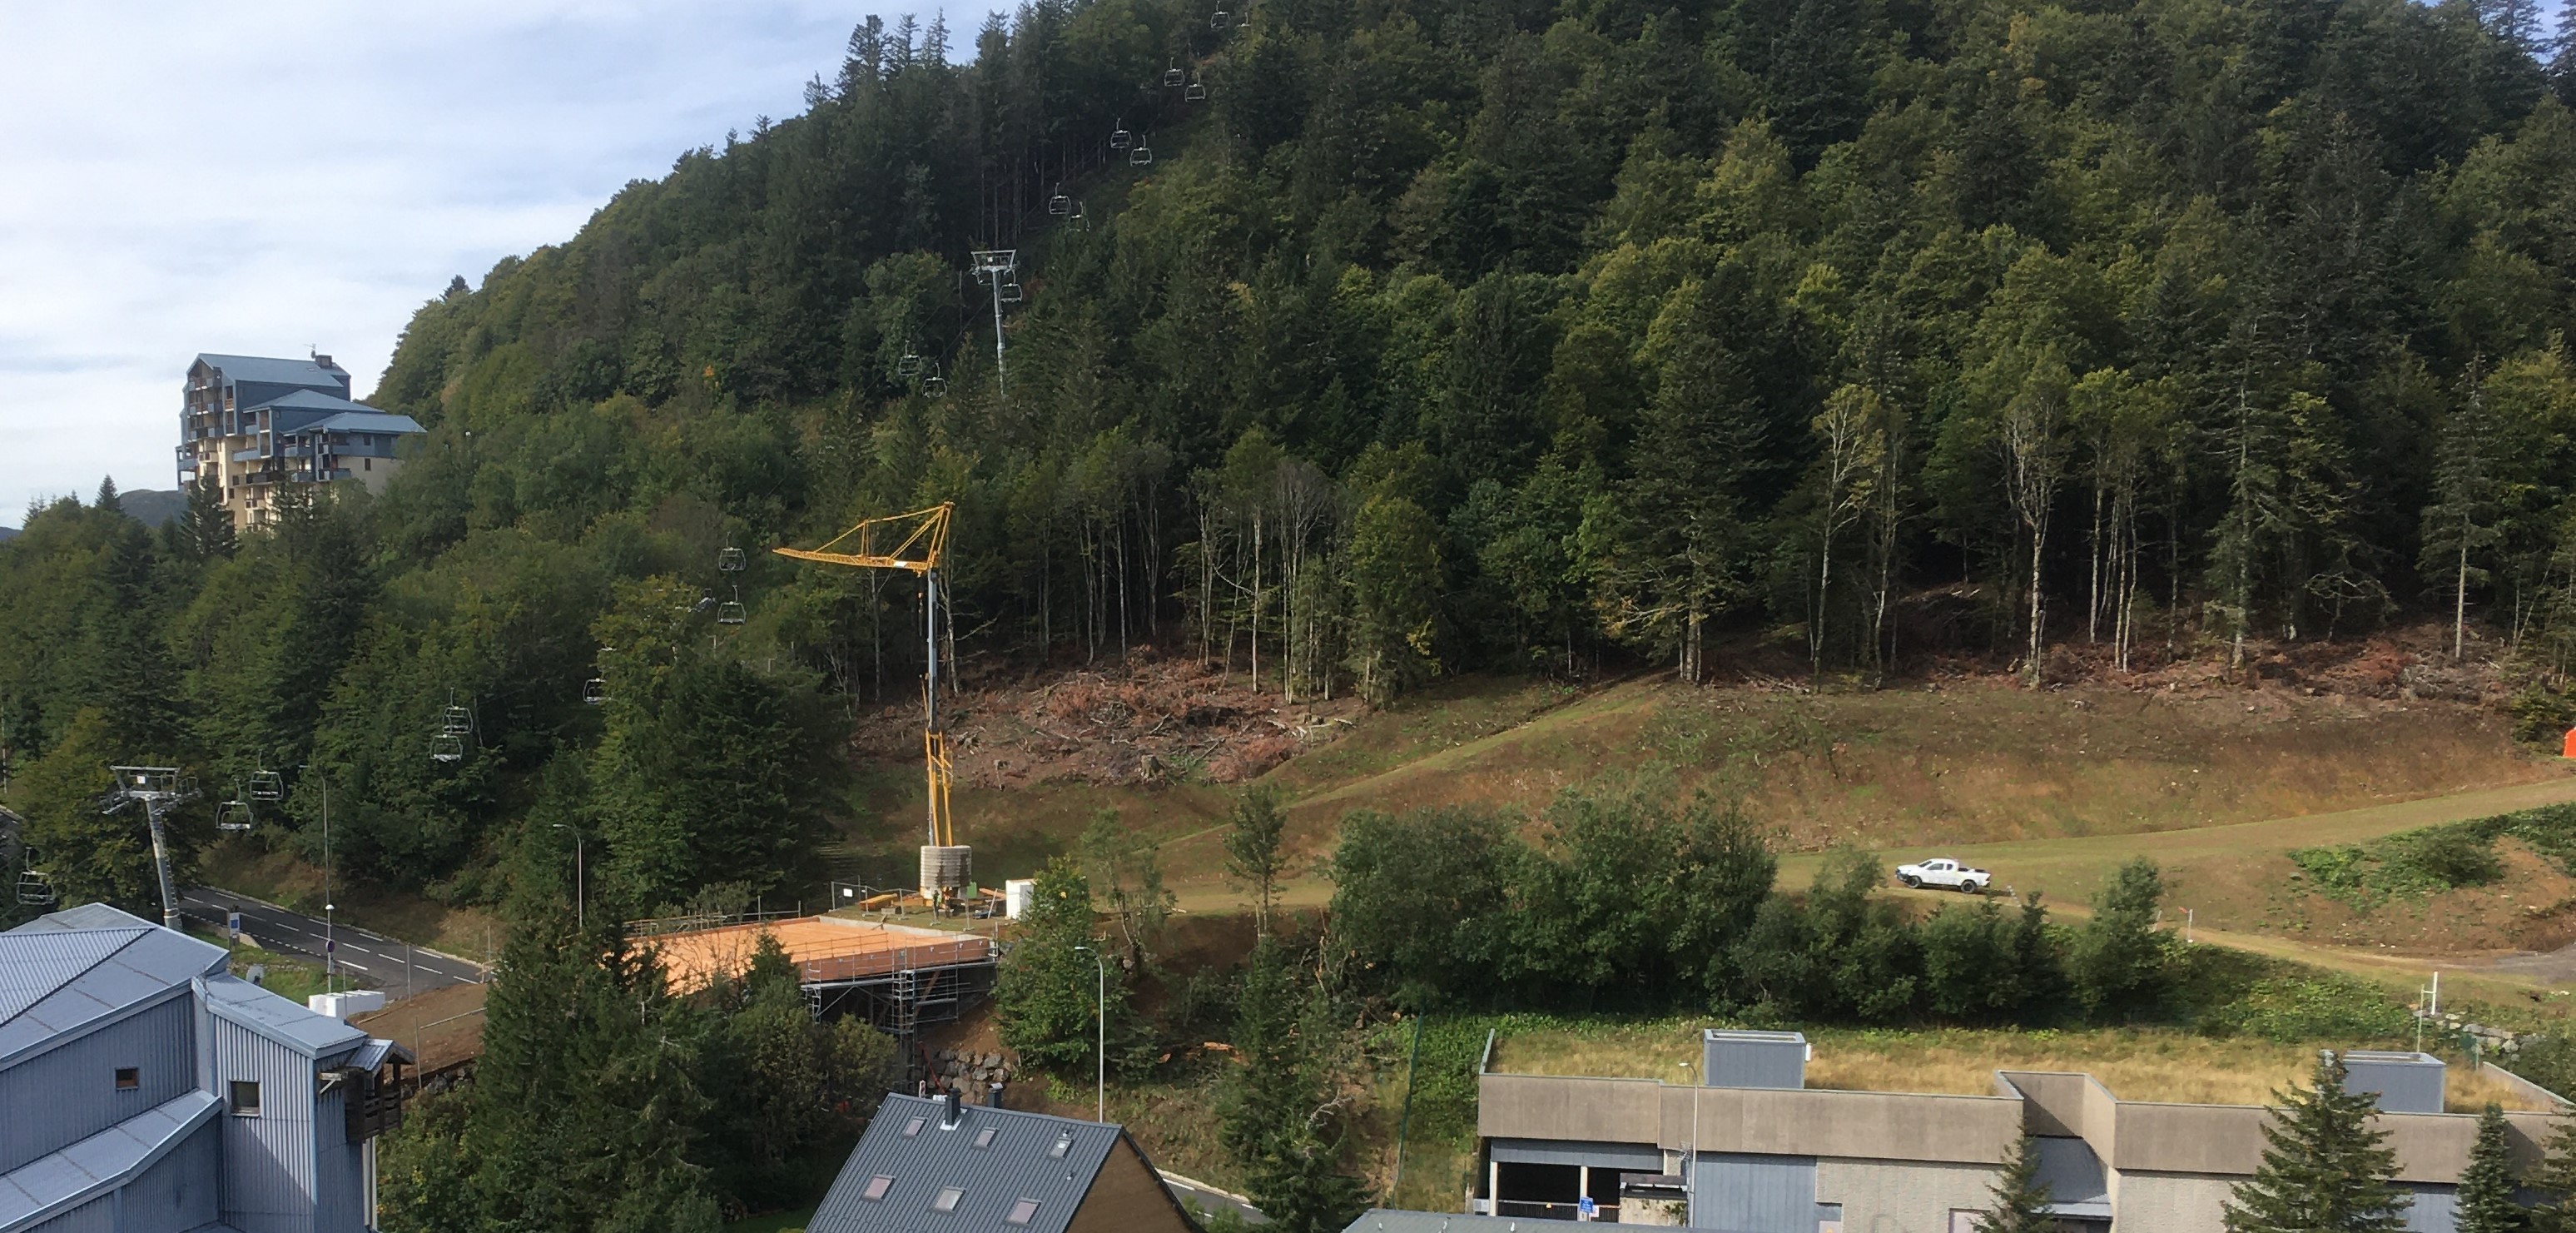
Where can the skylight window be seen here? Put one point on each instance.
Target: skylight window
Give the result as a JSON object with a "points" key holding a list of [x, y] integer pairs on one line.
{"points": [[877, 1188], [1063, 1144], [985, 1137], [1022, 1212], [914, 1126], [947, 1200]]}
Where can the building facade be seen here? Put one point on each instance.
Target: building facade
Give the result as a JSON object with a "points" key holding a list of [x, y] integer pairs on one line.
{"points": [[1756, 1151], [145, 1090], [253, 425], [944, 1164]]}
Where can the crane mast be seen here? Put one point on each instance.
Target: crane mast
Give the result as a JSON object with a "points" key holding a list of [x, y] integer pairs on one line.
{"points": [[915, 542]]}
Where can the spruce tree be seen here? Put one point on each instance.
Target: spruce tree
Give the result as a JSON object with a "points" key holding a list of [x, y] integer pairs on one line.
{"points": [[2555, 1179], [2485, 1199], [2325, 1168], [2021, 1199]]}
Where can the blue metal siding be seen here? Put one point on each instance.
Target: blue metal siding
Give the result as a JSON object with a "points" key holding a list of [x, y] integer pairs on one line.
{"points": [[75, 1082], [1740, 1193], [2436, 1209], [269, 1161], [96, 1216], [179, 1192], [340, 1200]]}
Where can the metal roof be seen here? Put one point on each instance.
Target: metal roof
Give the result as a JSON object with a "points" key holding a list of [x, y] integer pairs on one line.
{"points": [[273, 370], [307, 1032], [1390, 1220], [312, 400], [66, 972], [364, 419], [1019, 1162], [50, 1185]]}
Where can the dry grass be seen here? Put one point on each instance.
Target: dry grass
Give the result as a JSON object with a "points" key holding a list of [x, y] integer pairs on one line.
{"points": [[2171, 1067]]}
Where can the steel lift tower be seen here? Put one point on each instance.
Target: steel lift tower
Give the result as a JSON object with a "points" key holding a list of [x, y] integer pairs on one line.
{"points": [[159, 789]]}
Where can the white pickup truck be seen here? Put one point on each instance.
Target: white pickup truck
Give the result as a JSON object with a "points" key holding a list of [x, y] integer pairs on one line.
{"points": [[1942, 871]]}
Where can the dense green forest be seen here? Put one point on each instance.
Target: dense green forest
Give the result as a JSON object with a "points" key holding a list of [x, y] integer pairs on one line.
{"points": [[1555, 336]]}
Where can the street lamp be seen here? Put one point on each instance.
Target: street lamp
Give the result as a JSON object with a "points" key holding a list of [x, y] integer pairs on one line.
{"points": [[330, 944], [1100, 1090], [580, 893]]}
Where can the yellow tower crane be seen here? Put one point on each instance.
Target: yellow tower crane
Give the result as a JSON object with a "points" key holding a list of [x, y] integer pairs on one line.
{"points": [[916, 541]]}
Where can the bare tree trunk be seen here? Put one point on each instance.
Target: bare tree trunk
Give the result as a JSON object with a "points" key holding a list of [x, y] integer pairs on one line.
{"points": [[2460, 597]]}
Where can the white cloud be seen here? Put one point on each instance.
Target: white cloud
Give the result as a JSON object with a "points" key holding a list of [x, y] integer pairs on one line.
{"points": [[260, 177]]}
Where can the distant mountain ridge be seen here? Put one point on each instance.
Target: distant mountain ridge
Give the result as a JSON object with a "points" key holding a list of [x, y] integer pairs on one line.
{"points": [[153, 506]]}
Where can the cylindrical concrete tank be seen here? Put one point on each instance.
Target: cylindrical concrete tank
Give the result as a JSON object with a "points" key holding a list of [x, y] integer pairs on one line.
{"points": [[945, 868]]}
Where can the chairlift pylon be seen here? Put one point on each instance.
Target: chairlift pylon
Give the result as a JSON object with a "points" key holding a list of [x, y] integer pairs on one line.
{"points": [[1141, 156], [1173, 76], [1119, 137], [233, 815], [731, 560], [731, 611]]}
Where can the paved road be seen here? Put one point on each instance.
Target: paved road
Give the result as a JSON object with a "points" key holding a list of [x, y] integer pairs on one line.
{"points": [[376, 961], [1210, 1199]]}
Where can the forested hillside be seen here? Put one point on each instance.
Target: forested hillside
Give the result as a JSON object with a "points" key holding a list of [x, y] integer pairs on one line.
{"points": [[1430, 339]]}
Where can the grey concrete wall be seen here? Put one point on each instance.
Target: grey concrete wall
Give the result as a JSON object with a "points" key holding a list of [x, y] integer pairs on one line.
{"points": [[2171, 1202], [1881, 1196], [1892, 1125]]}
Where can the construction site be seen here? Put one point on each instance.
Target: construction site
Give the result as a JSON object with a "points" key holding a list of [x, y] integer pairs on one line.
{"points": [[901, 978]]}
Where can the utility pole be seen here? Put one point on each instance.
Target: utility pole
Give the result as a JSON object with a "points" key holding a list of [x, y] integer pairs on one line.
{"points": [[1100, 1091], [580, 890], [160, 789]]}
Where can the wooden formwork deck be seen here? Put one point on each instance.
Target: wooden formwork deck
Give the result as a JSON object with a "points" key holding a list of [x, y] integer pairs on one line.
{"points": [[824, 949]]}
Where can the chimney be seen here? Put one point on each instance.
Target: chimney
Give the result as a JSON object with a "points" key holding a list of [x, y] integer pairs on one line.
{"points": [[320, 360], [953, 1110]]}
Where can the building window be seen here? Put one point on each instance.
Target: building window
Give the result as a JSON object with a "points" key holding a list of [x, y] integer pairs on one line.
{"points": [[1022, 1212], [947, 1200], [912, 1127], [984, 1138], [1063, 1143], [245, 1098], [877, 1188], [129, 1078]]}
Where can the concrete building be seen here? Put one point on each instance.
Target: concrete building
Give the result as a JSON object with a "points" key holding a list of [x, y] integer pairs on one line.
{"points": [[964, 1168], [251, 424], [144, 1090], [1756, 1151]]}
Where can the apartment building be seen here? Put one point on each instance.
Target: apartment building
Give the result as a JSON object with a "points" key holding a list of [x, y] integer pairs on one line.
{"points": [[145, 1090], [1751, 1149], [253, 425]]}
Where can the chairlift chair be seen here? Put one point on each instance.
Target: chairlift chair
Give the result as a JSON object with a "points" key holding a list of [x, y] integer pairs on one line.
{"points": [[731, 611], [1060, 205], [934, 385], [1173, 77], [1221, 22], [908, 367], [267, 786], [35, 889], [1011, 293], [1120, 138], [1141, 156], [456, 722], [445, 748], [730, 560], [233, 815], [594, 691], [1197, 93]]}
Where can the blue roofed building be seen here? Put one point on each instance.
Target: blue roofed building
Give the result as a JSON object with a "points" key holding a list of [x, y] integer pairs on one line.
{"points": [[250, 425], [145, 1090]]}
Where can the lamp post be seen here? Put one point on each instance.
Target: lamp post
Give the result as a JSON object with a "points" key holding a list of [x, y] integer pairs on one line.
{"points": [[1690, 1159], [1100, 1090], [580, 891]]}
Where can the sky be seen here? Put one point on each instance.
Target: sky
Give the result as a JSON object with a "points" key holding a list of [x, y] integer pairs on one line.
{"points": [[263, 178]]}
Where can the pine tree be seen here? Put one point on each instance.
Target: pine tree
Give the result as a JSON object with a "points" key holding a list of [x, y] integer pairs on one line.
{"points": [[2325, 1168], [1252, 848], [2555, 1179], [2461, 521], [2021, 1199], [2485, 1199]]}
